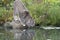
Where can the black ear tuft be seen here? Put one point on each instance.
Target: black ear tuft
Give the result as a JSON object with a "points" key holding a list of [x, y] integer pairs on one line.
{"points": [[26, 12]]}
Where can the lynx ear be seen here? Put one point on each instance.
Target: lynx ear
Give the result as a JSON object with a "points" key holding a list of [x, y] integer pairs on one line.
{"points": [[26, 11]]}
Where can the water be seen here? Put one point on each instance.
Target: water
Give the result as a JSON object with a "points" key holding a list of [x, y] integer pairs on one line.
{"points": [[40, 34]]}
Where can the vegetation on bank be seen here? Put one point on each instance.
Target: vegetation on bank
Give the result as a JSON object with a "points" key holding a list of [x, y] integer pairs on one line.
{"points": [[44, 12]]}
